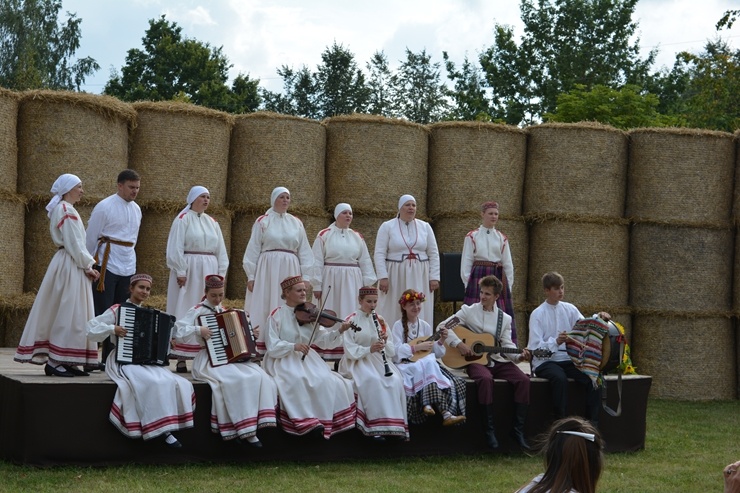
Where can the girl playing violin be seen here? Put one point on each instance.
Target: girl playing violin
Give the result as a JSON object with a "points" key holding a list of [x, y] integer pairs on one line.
{"points": [[430, 389], [381, 400], [311, 396], [244, 396]]}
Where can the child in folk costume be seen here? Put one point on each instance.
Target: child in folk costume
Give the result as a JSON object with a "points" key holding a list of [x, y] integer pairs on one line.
{"points": [[312, 397], [486, 317], [427, 384], [55, 331], [486, 252], [342, 263], [381, 399], [244, 396], [151, 401]]}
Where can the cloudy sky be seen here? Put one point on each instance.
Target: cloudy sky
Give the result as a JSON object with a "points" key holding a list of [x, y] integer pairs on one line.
{"points": [[258, 36]]}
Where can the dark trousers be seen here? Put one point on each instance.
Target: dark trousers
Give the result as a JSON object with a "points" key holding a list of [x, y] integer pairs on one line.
{"points": [[558, 372], [116, 291], [484, 375]]}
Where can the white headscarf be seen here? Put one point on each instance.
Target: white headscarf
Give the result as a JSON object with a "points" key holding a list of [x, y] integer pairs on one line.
{"points": [[194, 193], [62, 185], [404, 199], [274, 195], [341, 208]]}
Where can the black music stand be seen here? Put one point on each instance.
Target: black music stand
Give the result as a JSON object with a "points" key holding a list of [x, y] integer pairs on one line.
{"points": [[451, 285]]}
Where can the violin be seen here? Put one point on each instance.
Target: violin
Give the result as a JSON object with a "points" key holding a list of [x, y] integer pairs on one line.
{"points": [[308, 313]]}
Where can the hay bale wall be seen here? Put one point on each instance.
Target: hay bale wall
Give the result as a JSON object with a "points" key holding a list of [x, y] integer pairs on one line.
{"points": [[12, 210], [473, 162], [64, 132], [8, 145], [576, 169], [188, 139], [372, 161]]}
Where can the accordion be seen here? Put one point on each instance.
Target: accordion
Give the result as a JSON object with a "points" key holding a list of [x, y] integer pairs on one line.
{"points": [[232, 338], [148, 334]]}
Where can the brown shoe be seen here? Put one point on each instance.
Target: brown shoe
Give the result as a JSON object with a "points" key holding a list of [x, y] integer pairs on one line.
{"points": [[453, 420]]}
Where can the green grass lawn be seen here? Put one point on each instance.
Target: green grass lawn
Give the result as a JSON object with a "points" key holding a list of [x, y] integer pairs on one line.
{"points": [[687, 445]]}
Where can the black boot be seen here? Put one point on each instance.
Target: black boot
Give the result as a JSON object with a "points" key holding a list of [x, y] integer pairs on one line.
{"points": [[520, 416], [487, 413]]}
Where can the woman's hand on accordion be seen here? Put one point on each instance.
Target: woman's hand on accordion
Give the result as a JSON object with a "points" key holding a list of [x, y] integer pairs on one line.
{"points": [[205, 333], [120, 331]]}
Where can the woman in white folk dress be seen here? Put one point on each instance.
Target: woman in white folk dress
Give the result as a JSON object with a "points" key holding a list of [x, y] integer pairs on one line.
{"points": [[54, 334], [195, 249], [342, 263], [381, 399], [151, 400], [406, 257], [278, 248], [244, 397], [311, 396], [430, 388]]}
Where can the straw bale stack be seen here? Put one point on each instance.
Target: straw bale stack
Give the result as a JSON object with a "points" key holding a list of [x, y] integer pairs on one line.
{"points": [[8, 144], [576, 169], [681, 176], [187, 138], [673, 351], [270, 150], [13, 212], [66, 132], [14, 312], [371, 161], [664, 260], [38, 247], [592, 257], [473, 162]]}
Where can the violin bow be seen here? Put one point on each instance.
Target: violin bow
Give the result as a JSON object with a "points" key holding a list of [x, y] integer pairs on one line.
{"points": [[316, 323]]}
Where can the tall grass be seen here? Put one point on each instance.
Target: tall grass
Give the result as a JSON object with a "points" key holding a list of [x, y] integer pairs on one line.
{"points": [[687, 446]]}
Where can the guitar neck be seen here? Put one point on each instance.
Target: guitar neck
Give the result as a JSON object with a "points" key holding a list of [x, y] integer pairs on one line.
{"points": [[496, 349]]}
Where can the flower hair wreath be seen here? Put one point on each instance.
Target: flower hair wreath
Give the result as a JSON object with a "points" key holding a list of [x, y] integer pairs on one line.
{"points": [[406, 298]]}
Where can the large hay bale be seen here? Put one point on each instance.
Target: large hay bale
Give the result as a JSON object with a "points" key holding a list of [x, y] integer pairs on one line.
{"points": [[66, 132], [681, 176], [8, 143], [270, 150], [371, 161], [176, 146], [38, 247], [576, 169], [14, 312], [667, 349], [451, 233], [473, 162], [664, 259], [13, 212], [592, 257]]}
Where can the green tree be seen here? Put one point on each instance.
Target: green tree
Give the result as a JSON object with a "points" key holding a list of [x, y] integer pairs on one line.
{"points": [[171, 66], [299, 94], [341, 87], [728, 19], [623, 108], [469, 100], [418, 93], [380, 92], [37, 51], [565, 42]]}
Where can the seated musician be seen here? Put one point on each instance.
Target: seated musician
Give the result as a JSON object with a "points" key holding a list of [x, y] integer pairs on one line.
{"points": [[548, 327], [151, 401], [244, 396], [430, 388], [381, 399], [486, 317], [311, 396]]}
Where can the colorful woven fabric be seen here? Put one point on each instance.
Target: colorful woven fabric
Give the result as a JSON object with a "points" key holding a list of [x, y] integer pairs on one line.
{"points": [[584, 346]]}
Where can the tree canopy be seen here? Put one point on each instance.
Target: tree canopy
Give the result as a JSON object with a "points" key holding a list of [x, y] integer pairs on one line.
{"points": [[37, 51]]}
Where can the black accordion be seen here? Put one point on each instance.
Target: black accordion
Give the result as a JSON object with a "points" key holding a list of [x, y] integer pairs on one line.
{"points": [[148, 334]]}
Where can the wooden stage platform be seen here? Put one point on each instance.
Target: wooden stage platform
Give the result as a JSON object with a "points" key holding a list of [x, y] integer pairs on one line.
{"points": [[52, 421]]}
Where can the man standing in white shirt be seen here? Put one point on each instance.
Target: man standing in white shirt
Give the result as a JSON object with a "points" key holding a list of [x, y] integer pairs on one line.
{"points": [[111, 237]]}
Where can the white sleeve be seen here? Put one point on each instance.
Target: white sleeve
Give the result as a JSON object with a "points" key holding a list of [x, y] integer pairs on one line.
{"points": [[221, 253], [467, 259], [366, 264], [318, 263], [94, 228], [381, 249], [176, 247], [103, 326], [252, 253], [507, 263], [433, 253]]}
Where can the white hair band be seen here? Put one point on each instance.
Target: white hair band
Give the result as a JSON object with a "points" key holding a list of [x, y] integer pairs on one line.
{"points": [[588, 436]]}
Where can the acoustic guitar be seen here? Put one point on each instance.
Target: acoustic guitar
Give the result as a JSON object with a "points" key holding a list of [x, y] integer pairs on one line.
{"points": [[451, 324], [482, 346]]}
